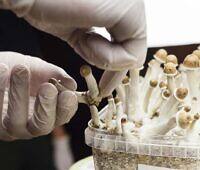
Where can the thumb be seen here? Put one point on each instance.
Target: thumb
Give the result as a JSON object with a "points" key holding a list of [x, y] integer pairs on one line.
{"points": [[42, 71]]}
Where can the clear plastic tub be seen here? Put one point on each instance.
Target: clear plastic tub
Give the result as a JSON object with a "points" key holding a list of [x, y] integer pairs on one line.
{"points": [[112, 152]]}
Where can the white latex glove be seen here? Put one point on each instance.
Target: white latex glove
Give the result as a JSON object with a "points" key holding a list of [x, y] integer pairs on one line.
{"points": [[72, 20], [26, 79], [63, 157]]}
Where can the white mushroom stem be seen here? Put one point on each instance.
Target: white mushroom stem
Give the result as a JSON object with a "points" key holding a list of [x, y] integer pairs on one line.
{"points": [[174, 101], [127, 93], [161, 100], [192, 132], [111, 111], [134, 94], [126, 130], [121, 93], [159, 129], [95, 116], [81, 96], [171, 83], [192, 77], [152, 85], [120, 115], [86, 72], [153, 72]]}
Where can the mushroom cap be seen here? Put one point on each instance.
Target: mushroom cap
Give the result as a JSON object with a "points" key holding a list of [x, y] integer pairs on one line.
{"points": [[187, 108], [162, 85], [172, 59], [153, 83], [197, 53], [181, 93], [166, 94], [196, 116], [125, 80], [184, 119], [170, 69], [191, 62], [161, 55], [123, 120], [85, 70]]}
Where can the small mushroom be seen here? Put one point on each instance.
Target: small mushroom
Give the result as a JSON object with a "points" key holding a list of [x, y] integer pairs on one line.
{"points": [[93, 93], [172, 59], [146, 102], [170, 71]]}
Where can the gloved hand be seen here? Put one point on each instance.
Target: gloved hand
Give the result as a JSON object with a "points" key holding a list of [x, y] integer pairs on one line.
{"points": [[34, 106], [72, 20]]}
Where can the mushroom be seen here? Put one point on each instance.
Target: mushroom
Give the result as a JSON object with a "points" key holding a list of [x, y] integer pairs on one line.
{"points": [[121, 93], [126, 84], [183, 119], [146, 102], [134, 93], [172, 59], [95, 117], [93, 92], [127, 129], [170, 72], [171, 106], [111, 111], [164, 93], [192, 133], [162, 128], [119, 115], [197, 53], [191, 66], [81, 96], [154, 69]]}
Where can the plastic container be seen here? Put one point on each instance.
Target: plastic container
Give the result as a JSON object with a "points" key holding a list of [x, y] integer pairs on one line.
{"points": [[112, 152]]}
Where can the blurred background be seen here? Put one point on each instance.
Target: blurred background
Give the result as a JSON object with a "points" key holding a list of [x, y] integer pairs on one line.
{"points": [[65, 145]]}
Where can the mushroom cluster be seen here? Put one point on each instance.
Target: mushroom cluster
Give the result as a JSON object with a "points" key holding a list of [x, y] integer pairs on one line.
{"points": [[166, 101]]}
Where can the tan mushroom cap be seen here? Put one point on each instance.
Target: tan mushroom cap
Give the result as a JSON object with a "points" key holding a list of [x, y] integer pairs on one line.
{"points": [[172, 59], [85, 70], [161, 55], [170, 68], [153, 83], [166, 93], [191, 61], [197, 53], [162, 85], [181, 93], [184, 119]]}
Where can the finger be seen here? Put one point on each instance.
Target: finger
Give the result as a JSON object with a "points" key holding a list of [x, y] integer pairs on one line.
{"points": [[43, 71], [66, 108], [104, 54], [4, 75], [17, 115], [109, 81], [43, 120]]}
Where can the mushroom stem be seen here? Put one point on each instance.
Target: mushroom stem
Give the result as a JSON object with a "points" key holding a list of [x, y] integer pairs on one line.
{"points": [[162, 97], [86, 72], [126, 130], [120, 115], [121, 93], [159, 129], [134, 99], [95, 116], [171, 106], [126, 84], [81, 96], [111, 111], [146, 102]]}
